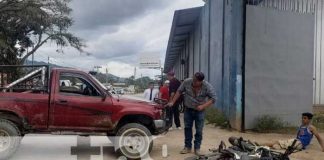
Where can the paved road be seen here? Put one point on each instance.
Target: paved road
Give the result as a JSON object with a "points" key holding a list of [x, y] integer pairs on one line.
{"points": [[52, 147]]}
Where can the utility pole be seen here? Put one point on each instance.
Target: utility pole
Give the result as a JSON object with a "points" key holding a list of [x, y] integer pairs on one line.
{"points": [[48, 60], [107, 75], [142, 81], [97, 68], [32, 59], [161, 76]]}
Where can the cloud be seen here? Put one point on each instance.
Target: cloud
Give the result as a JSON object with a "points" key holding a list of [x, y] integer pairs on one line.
{"points": [[119, 68], [90, 14], [117, 32]]}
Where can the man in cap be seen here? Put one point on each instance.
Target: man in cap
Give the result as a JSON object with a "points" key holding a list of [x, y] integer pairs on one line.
{"points": [[199, 95]]}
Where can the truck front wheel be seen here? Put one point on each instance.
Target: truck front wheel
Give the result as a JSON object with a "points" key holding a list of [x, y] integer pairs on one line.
{"points": [[134, 141], [9, 138]]}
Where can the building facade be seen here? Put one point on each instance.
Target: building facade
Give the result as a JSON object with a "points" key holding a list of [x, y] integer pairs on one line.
{"points": [[221, 40]]}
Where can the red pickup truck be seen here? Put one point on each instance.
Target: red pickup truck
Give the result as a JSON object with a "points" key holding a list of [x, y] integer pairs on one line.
{"points": [[68, 101]]}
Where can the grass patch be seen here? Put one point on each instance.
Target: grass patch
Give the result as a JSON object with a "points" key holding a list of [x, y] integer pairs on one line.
{"points": [[216, 117], [267, 123], [318, 121]]}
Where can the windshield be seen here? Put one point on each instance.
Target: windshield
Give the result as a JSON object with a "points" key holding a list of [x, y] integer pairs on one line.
{"points": [[101, 85]]}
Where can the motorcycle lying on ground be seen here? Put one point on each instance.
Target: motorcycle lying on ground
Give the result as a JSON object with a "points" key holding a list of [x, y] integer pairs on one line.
{"points": [[245, 150]]}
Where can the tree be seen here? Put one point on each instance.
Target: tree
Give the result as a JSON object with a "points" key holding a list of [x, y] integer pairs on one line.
{"points": [[26, 25], [130, 80], [143, 82]]}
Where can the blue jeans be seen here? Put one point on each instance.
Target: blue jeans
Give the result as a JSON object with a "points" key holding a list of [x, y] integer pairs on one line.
{"points": [[191, 116]]}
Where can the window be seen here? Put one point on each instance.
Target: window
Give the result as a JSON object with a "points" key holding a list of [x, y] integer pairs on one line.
{"points": [[77, 85]]}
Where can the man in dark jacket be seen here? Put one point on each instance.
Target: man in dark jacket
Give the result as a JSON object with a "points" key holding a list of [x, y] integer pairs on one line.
{"points": [[173, 87]]}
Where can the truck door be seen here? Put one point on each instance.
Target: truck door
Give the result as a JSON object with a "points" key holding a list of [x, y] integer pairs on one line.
{"points": [[78, 104]]}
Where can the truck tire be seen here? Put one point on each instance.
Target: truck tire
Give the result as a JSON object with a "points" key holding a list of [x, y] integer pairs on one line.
{"points": [[9, 139], [133, 141]]}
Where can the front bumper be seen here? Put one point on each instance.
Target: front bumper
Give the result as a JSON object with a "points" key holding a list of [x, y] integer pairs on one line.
{"points": [[162, 125], [159, 124]]}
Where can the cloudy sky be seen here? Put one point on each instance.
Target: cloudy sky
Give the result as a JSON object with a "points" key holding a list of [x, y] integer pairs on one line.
{"points": [[117, 32]]}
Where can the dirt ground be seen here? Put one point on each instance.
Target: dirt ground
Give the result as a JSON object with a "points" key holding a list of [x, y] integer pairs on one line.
{"points": [[54, 147], [213, 136], [59, 147]]}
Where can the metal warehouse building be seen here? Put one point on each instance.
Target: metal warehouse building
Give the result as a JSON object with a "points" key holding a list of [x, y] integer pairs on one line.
{"points": [[258, 54]]}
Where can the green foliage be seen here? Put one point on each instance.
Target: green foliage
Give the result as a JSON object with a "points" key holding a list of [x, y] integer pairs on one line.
{"points": [[142, 83], [130, 80], [216, 117], [268, 123], [318, 121], [28, 24]]}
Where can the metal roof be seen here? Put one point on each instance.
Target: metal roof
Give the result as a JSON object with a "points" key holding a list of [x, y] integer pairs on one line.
{"points": [[183, 23]]}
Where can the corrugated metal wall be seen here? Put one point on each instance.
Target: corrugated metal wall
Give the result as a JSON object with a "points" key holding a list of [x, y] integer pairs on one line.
{"points": [[307, 6], [278, 64], [319, 58]]}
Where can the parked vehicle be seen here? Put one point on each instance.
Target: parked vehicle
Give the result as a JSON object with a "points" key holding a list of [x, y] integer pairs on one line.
{"points": [[37, 102]]}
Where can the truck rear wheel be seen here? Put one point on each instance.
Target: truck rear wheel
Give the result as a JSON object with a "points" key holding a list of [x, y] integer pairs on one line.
{"points": [[133, 141], [9, 139]]}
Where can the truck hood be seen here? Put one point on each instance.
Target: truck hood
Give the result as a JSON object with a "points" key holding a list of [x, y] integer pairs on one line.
{"points": [[134, 100]]}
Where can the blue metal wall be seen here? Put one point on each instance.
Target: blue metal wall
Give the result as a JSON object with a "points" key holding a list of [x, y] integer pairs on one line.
{"points": [[215, 48]]}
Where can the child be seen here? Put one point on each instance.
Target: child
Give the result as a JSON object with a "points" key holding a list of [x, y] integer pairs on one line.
{"points": [[305, 134]]}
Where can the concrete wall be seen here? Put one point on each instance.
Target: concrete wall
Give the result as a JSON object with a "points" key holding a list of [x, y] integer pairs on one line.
{"points": [[279, 64]]}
